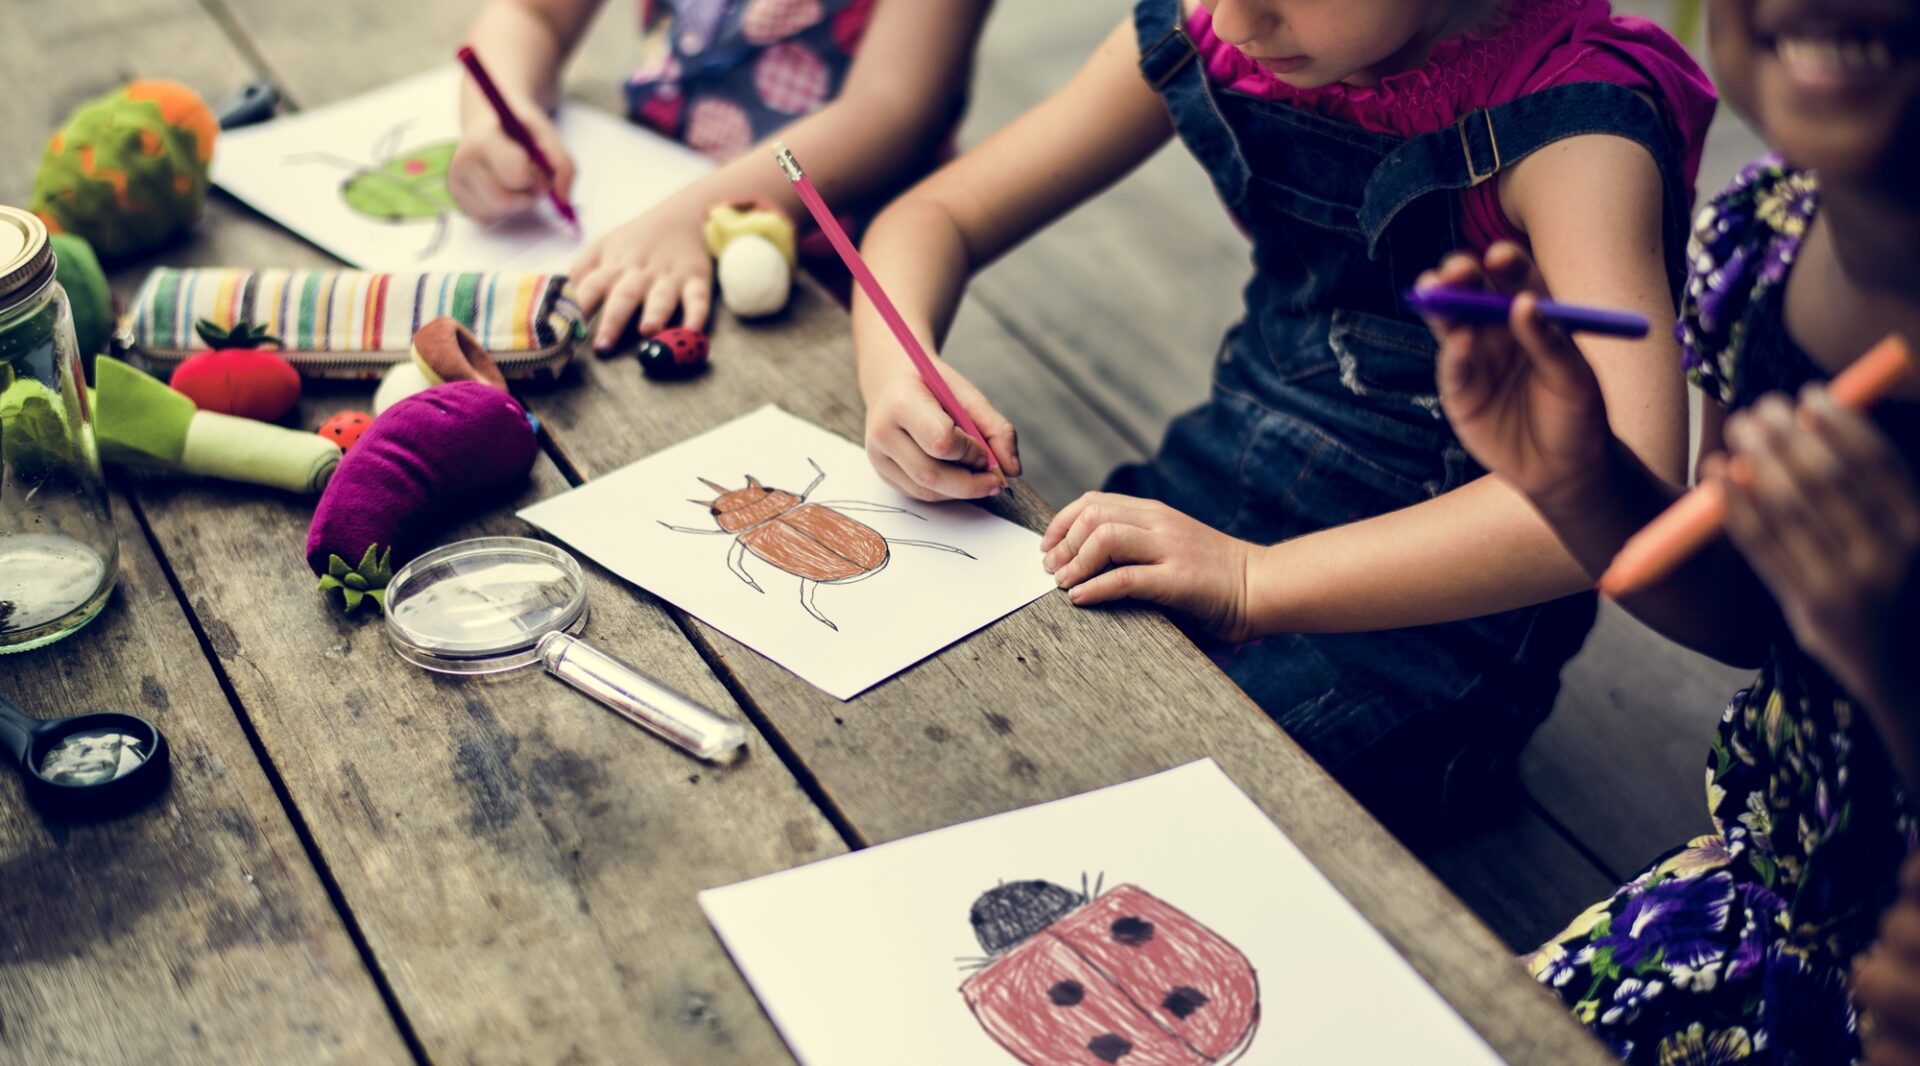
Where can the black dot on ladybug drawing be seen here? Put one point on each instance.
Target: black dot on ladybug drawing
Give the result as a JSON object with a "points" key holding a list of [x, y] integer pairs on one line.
{"points": [[1183, 1001], [1110, 1047], [1066, 994], [1132, 931]]}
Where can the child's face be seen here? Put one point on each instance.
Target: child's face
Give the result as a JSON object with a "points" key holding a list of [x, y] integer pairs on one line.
{"points": [[1311, 43], [1832, 84]]}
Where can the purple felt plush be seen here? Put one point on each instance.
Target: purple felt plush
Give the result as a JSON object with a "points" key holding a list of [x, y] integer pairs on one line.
{"points": [[427, 461]]}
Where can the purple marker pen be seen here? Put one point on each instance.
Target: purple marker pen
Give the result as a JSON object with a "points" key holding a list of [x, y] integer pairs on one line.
{"points": [[1476, 308]]}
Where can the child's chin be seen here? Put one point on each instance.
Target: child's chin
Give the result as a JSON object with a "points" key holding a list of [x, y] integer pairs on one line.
{"points": [[1861, 142]]}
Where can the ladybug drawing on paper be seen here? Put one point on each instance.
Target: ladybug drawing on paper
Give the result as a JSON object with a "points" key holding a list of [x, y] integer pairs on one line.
{"points": [[1099, 979], [814, 542], [398, 187]]}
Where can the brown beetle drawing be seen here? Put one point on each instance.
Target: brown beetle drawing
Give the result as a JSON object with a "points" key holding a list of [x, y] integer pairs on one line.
{"points": [[814, 542]]}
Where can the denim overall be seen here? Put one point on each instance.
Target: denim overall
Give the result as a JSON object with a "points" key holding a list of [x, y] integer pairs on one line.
{"points": [[1324, 410]]}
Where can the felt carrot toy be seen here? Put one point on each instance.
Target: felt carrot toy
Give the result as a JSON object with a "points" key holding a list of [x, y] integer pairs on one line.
{"points": [[424, 463]]}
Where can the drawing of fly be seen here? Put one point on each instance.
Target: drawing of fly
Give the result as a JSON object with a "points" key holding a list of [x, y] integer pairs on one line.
{"points": [[814, 542], [398, 187]]}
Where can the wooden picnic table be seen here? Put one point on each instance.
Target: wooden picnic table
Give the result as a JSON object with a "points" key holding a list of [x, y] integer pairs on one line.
{"points": [[360, 861]]}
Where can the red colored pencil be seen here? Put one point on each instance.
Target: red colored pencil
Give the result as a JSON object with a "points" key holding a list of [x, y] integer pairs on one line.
{"points": [[510, 125], [869, 284], [1694, 520]]}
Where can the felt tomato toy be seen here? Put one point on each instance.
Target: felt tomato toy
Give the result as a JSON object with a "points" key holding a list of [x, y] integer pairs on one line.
{"points": [[237, 375], [345, 428], [1121, 977], [674, 353]]}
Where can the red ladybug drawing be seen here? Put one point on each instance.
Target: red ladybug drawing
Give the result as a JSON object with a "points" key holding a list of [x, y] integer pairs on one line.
{"points": [[1098, 979], [674, 353]]}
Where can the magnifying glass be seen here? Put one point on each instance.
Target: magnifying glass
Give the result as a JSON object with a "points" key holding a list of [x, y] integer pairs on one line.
{"points": [[88, 764], [493, 604]]}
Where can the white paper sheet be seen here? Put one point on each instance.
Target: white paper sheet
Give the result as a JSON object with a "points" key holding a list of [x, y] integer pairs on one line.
{"points": [[294, 170], [861, 958], [967, 568]]}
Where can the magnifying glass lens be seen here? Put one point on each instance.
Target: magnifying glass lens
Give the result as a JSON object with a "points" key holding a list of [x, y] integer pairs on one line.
{"points": [[93, 757]]}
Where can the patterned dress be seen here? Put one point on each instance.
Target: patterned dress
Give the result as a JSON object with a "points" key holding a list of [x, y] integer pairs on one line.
{"points": [[1737, 947], [731, 72]]}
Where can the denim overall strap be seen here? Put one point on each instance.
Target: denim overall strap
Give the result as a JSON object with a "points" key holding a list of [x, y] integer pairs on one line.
{"points": [[1171, 63], [1488, 140]]}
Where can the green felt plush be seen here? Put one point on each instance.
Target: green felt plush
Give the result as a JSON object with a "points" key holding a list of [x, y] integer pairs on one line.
{"points": [[79, 273], [129, 170], [259, 453], [138, 418], [351, 586]]}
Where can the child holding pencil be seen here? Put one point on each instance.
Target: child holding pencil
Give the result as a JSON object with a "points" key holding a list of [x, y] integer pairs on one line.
{"points": [[1316, 522], [1739, 944], [874, 88]]}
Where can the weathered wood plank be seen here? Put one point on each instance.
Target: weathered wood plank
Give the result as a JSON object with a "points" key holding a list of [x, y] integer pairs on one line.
{"points": [[194, 929], [1049, 702], [523, 865]]}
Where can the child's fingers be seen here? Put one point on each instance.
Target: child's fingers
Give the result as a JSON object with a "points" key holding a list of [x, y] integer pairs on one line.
{"points": [[1792, 478], [892, 474], [1064, 519], [1878, 477], [1888, 988], [1097, 515], [1900, 932], [622, 301], [1559, 364], [662, 297], [990, 422], [1512, 270], [1120, 583], [1110, 545], [945, 480], [555, 150], [591, 285], [696, 300], [937, 435]]}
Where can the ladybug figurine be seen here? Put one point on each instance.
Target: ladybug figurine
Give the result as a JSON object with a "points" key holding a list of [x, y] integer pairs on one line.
{"points": [[674, 353], [1092, 979], [345, 428]]}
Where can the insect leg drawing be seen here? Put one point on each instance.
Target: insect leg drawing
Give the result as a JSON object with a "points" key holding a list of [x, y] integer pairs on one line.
{"points": [[815, 542], [1092, 978], [397, 187]]}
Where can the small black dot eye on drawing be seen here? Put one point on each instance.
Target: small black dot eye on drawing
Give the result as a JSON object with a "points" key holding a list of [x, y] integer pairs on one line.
{"points": [[1067, 994], [1109, 1047], [1132, 931], [1183, 1001]]}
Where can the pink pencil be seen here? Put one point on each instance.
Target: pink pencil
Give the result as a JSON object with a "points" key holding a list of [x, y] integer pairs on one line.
{"points": [[871, 286], [511, 125]]}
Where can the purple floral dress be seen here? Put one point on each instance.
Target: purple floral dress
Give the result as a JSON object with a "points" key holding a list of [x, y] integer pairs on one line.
{"points": [[1737, 947]]}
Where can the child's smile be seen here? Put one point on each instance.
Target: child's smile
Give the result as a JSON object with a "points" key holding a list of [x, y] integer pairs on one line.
{"points": [[1836, 86]]}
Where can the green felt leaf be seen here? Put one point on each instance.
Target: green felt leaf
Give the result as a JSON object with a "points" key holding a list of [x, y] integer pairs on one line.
{"points": [[241, 335], [353, 598], [352, 586], [355, 581], [337, 567], [136, 416]]}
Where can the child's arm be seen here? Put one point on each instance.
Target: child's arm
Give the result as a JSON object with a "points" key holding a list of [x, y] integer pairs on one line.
{"points": [[892, 111], [1095, 129], [1827, 513], [523, 44], [1592, 209]]}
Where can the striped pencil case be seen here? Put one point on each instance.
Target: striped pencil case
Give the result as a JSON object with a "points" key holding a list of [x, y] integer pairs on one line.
{"points": [[352, 325]]}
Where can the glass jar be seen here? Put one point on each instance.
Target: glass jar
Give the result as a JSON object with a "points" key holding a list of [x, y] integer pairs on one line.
{"points": [[58, 551]]}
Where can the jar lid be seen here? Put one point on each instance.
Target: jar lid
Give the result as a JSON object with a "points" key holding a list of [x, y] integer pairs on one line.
{"points": [[25, 252]]}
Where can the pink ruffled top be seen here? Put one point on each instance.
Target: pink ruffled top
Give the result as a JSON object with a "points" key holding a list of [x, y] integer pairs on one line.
{"points": [[1534, 45]]}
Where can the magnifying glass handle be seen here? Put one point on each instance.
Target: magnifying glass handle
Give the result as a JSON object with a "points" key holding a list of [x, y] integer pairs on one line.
{"points": [[642, 700], [16, 728]]}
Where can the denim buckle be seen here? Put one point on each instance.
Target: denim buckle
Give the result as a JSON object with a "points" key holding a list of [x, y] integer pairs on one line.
{"points": [[1160, 80], [1466, 146]]}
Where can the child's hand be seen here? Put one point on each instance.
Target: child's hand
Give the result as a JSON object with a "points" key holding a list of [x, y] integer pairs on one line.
{"points": [[1105, 547], [918, 448], [1886, 980], [1828, 515], [492, 177], [1522, 400], [651, 265]]}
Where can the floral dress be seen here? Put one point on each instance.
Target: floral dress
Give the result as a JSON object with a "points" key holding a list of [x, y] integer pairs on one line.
{"points": [[1738, 946]]}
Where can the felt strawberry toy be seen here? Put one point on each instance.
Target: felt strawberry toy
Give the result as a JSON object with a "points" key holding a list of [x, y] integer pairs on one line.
{"points": [[236, 375]]}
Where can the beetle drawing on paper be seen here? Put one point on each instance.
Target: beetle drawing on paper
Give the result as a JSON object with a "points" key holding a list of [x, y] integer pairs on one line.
{"points": [[814, 542], [399, 187], [1121, 977]]}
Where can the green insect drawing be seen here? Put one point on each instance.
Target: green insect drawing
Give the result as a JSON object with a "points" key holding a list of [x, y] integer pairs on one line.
{"points": [[400, 187]]}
